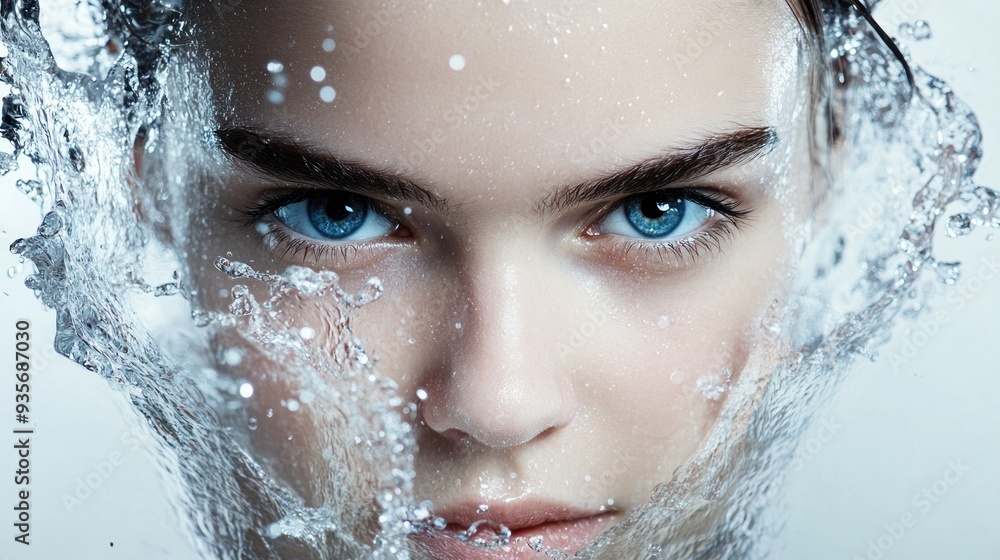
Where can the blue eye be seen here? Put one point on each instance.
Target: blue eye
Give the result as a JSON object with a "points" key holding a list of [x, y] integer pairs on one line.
{"points": [[656, 215], [335, 216]]}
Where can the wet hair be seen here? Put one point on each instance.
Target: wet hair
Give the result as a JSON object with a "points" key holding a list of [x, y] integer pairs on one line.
{"points": [[820, 21]]}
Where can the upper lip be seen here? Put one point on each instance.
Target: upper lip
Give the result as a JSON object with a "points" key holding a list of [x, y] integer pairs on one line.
{"points": [[514, 515]]}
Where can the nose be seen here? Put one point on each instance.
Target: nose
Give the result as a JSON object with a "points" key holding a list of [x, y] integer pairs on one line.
{"points": [[502, 386]]}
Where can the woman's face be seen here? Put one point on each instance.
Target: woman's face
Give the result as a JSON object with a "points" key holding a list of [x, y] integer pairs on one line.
{"points": [[578, 213]]}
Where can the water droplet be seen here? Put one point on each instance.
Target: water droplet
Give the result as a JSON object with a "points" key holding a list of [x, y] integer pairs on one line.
{"points": [[456, 62], [959, 225], [536, 543], [307, 333], [233, 357], [677, 378], [663, 322], [919, 30], [317, 73], [422, 394], [483, 508], [948, 272], [275, 97], [458, 326], [329, 44], [246, 390], [275, 67], [407, 210], [292, 405], [327, 94], [307, 397], [274, 530], [252, 424], [710, 387]]}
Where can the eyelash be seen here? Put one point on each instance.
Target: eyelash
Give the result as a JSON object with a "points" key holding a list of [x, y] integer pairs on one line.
{"points": [[730, 215]]}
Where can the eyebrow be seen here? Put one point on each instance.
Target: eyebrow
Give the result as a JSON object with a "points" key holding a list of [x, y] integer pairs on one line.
{"points": [[700, 158], [281, 157]]}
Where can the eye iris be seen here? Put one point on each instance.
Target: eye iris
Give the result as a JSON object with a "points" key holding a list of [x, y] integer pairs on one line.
{"points": [[337, 215], [655, 214]]}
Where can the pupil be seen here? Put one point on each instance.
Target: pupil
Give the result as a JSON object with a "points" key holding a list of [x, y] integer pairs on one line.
{"points": [[655, 215], [337, 215], [338, 209]]}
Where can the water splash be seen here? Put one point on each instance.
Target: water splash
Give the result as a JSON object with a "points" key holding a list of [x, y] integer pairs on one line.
{"points": [[76, 107]]}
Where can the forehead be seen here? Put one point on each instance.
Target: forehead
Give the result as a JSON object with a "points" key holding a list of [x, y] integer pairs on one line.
{"points": [[503, 90]]}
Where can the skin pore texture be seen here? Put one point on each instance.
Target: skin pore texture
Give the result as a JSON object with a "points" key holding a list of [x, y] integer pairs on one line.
{"points": [[560, 358]]}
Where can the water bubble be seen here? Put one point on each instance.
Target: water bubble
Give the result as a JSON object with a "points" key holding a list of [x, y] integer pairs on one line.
{"points": [[959, 225], [8, 163], [711, 388], [327, 94], [919, 30], [329, 44], [317, 73], [456, 62], [246, 390], [536, 543], [948, 272]]}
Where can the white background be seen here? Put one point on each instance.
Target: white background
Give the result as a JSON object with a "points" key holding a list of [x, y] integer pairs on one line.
{"points": [[891, 432]]}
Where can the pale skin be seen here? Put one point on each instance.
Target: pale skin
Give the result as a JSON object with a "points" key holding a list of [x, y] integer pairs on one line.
{"points": [[558, 352]]}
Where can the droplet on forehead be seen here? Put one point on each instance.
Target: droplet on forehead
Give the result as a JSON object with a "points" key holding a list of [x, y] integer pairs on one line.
{"points": [[317, 73], [456, 62], [327, 94]]}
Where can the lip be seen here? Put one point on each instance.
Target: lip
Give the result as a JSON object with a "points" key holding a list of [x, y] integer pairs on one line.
{"points": [[560, 526]]}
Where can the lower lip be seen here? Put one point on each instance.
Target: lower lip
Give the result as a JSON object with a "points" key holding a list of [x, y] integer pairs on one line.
{"points": [[566, 536]]}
